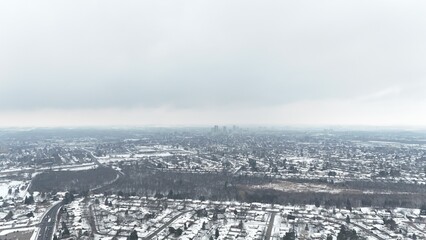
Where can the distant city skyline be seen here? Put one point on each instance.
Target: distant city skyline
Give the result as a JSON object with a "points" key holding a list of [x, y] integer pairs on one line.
{"points": [[133, 63]]}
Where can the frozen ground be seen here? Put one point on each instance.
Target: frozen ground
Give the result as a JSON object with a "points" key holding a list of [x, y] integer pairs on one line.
{"points": [[5, 185], [299, 187], [17, 234]]}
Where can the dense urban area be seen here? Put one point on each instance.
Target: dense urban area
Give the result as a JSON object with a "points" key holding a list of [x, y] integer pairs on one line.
{"points": [[221, 182]]}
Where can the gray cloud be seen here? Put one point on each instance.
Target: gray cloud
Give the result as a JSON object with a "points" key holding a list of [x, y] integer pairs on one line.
{"points": [[198, 54]]}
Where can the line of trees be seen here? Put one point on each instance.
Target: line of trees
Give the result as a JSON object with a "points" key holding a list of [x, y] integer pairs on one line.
{"points": [[55, 181], [147, 181]]}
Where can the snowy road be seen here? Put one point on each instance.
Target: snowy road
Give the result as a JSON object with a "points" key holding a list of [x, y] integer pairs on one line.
{"points": [[270, 226]]}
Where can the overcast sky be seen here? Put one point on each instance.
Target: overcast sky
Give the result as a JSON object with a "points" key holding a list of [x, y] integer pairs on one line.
{"points": [[66, 63]]}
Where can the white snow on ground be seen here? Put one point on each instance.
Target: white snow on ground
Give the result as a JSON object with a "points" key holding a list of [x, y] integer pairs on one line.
{"points": [[5, 232], [145, 152], [298, 187], [248, 221], [76, 167], [5, 185]]}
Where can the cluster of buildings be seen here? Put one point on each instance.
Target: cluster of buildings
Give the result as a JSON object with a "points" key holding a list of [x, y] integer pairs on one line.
{"points": [[166, 218], [286, 156]]}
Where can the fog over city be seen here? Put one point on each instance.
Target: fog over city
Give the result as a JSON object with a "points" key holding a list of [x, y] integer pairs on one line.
{"points": [[135, 63]]}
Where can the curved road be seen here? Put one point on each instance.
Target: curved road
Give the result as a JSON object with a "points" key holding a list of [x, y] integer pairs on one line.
{"points": [[47, 224]]}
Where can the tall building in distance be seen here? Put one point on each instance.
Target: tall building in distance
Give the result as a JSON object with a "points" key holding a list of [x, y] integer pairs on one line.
{"points": [[215, 129]]}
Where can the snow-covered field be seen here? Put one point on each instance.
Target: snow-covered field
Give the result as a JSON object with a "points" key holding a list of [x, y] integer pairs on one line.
{"points": [[16, 189], [145, 152], [75, 167], [287, 186]]}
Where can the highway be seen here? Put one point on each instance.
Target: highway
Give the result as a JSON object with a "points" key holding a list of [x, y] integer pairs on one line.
{"points": [[47, 224]]}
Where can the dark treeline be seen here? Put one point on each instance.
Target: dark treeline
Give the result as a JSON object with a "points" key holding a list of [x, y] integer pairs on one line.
{"points": [[79, 181], [150, 181], [147, 181]]}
